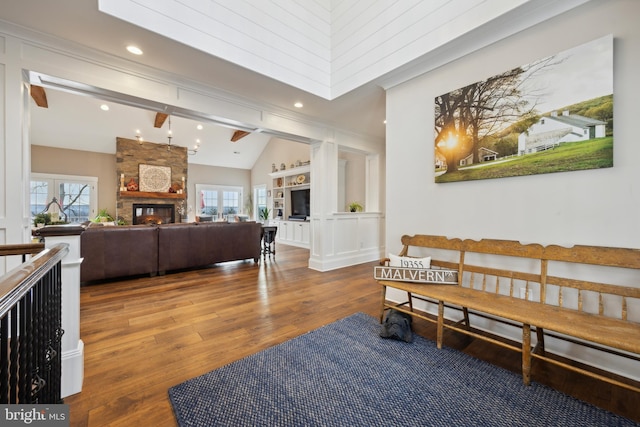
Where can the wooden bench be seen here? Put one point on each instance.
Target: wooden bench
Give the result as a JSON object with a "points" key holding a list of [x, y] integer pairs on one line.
{"points": [[588, 295]]}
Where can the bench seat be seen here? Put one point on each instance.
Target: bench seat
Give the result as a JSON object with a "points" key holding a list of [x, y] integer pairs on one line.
{"points": [[589, 327], [562, 302]]}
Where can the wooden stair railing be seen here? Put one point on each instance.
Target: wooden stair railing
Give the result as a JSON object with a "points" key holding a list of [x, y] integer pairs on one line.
{"points": [[31, 326]]}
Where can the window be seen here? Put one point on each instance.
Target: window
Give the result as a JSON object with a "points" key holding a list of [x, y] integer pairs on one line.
{"points": [[77, 195], [219, 200], [259, 199]]}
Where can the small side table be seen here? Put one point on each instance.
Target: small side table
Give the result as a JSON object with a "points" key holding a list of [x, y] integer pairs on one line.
{"points": [[269, 240]]}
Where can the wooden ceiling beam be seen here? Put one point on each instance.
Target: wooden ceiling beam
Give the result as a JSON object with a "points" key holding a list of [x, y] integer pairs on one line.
{"points": [[160, 119], [39, 96], [238, 135]]}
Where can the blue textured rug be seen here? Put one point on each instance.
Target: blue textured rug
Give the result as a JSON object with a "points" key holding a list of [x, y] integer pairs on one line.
{"points": [[344, 374]]}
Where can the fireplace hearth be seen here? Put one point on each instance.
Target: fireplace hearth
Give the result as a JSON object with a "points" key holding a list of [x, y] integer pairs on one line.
{"points": [[153, 213]]}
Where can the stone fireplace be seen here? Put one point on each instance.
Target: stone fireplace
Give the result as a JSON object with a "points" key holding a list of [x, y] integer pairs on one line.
{"points": [[130, 154]]}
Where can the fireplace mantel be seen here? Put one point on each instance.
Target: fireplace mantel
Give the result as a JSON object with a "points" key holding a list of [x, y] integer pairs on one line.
{"points": [[152, 195]]}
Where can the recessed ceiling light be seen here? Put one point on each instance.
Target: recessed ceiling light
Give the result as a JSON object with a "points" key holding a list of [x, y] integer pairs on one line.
{"points": [[134, 49], [104, 107], [298, 105], [199, 127]]}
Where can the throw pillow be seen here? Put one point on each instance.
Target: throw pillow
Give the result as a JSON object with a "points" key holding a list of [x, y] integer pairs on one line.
{"points": [[409, 262]]}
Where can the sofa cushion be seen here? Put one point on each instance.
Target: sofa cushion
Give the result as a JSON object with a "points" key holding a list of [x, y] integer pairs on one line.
{"points": [[110, 252], [197, 244]]}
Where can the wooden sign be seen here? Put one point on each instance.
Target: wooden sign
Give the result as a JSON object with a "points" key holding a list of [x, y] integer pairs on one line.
{"points": [[418, 275]]}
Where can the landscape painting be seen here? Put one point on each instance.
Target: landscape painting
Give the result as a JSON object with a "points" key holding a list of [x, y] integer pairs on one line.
{"points": [[553, 115]]}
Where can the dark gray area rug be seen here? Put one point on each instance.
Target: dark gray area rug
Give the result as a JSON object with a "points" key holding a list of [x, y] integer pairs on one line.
{"points": [[344, 374]]}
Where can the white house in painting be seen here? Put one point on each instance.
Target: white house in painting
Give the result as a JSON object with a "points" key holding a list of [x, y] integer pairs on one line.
{"points": [[554, 130], [484, 154]]}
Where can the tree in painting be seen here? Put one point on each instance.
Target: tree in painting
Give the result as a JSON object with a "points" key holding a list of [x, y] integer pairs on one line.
{"points": [[465, 116]]}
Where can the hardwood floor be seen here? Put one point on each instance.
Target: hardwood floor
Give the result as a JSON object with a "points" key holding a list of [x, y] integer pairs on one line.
{"points": [[144, 335]]}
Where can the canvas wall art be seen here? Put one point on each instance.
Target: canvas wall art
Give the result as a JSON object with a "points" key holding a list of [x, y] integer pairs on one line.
{"points": [[552, 115]]}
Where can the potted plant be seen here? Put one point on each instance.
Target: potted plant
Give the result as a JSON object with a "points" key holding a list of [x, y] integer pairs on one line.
{"points": [[264, 214], [103, 216], [355, 207], [41, 219]]}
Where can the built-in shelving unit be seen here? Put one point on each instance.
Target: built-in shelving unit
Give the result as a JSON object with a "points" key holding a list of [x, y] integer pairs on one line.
{"points": [[295, 233], [283, 183]]}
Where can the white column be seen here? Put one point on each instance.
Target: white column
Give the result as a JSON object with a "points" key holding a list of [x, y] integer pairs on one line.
{"points": [[72, 345]]}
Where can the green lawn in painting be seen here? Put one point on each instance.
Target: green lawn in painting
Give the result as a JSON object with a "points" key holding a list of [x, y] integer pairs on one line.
{"points": [[571, 156]]}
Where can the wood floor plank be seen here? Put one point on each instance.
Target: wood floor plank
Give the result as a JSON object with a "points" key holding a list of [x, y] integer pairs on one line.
{"points": [[147, 334]]}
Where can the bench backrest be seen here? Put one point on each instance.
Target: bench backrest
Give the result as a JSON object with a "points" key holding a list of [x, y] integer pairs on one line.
{"points": [[599, 280]]}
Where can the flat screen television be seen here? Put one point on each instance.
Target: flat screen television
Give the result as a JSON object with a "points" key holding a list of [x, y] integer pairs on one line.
{"points": [[300, 204]]}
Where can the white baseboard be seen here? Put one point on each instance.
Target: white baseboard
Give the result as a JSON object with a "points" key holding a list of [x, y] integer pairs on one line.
{"points": [[72, 371]]}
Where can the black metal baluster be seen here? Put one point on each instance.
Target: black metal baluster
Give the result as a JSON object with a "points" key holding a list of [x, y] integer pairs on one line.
{"points": [[31, 339], [26, 347], [58, 332], [4, 357], [13, 368], [38, 344]]}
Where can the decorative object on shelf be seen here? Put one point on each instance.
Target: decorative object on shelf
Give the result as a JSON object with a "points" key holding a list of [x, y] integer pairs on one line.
{"points": [[54, 202], [155, 178], [300, 179], [283, 166], [122, 186], [355, 207], [273, 168], [279, 182], [279, 195], [132, 185]]}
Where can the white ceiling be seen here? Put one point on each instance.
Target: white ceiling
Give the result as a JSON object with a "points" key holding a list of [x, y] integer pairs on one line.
{"points": [[71, 119], [77, 118]]}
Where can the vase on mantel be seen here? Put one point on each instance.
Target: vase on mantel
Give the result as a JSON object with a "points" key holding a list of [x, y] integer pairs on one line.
{"points": [[132, 185]]}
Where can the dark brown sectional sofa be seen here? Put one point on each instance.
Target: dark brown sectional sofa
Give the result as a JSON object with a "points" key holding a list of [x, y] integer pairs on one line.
{"points": [[112, 252]]}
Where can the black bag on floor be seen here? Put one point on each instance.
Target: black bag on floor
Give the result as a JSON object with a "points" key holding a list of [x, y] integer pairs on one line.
{"points": [[397, 325]]}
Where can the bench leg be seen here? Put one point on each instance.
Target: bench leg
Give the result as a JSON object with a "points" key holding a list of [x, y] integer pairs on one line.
{"points": [[465, 312], [440, 326], [526, 354], [540, 336], [384, 298], [410, 297]]}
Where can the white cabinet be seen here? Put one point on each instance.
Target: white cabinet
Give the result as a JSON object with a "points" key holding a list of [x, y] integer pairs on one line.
{"points": [[294, 233]]}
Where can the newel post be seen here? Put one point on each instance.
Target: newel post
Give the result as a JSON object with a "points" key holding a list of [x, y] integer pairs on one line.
{"points": [[72, 345]]}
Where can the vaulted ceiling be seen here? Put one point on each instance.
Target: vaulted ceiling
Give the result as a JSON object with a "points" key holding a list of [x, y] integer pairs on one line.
{"points": [[389, 42]]}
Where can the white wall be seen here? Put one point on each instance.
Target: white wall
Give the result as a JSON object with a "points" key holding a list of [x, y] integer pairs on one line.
{"points": [[594, 207], [598, 207], [355, 179]]}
